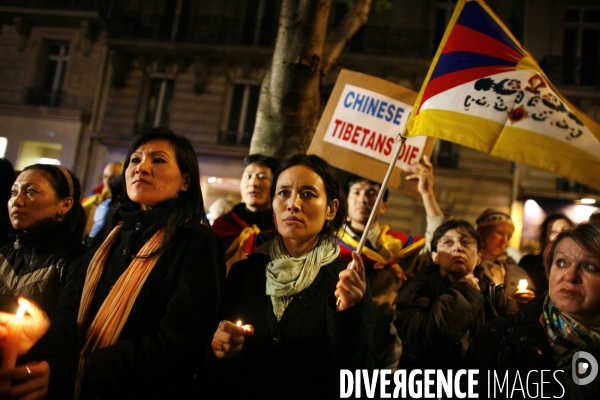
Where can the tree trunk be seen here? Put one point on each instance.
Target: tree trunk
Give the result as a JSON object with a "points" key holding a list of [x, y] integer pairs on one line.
{"points": [[290, 97]]}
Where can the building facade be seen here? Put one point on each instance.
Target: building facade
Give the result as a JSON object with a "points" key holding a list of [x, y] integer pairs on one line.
{"points": [[80, 78]]}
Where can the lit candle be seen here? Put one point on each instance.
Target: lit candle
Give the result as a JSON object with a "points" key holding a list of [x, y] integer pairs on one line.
{"points": [[245, 328], [522, 286], [11, 345]]}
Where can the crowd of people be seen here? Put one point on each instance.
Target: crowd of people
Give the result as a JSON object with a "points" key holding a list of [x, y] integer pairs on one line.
{"points": [[131, 293]]}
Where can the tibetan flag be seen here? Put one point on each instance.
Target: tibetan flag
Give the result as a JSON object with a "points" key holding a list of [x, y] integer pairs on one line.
{"points": [[485, 91]]}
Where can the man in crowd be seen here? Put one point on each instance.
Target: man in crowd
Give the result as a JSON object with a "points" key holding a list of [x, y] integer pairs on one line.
{"points": [[90, 203], [250, 223], [387, 254]]}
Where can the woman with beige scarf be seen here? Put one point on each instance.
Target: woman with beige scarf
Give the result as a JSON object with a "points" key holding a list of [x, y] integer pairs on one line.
{"points": [[304, 313], [148, 304]]}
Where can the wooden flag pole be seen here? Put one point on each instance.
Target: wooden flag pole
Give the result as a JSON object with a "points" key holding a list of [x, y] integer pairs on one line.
{"points": [[401, 139]]}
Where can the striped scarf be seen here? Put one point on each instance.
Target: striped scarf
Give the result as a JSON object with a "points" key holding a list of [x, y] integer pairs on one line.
{"points": [[112, 315]]}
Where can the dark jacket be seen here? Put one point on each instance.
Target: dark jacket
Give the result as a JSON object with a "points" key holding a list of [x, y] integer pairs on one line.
{"points": [[44, 260], [519, 343], [437, 319], [174, 315], [301, 355]]}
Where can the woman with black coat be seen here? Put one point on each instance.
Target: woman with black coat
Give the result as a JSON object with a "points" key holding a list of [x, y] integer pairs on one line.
{"points": [[149, 301]]}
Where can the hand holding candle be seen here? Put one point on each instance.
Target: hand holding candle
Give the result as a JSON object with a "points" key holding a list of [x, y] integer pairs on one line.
{"points": [[11, 343], [522, 286], [34, 325], [229, 338], [523, 295]]}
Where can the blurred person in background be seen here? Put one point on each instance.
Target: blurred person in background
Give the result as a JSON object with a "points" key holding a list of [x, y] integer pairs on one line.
{"points": [[90, 203], [496, 229], [7, 177], [117, 190], [250, 223], [534, 264]]}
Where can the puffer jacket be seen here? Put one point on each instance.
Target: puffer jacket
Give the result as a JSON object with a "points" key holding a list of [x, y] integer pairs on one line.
{"points": [[37, 265]]}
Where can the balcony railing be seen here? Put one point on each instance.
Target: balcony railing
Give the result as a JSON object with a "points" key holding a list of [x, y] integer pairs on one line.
{"points": [[201, 29], [217, 30], [572, 71], [392, 41], [85, 5]]}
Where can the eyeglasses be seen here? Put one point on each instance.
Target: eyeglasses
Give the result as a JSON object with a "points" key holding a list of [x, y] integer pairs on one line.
{"points": [[466, 242]]}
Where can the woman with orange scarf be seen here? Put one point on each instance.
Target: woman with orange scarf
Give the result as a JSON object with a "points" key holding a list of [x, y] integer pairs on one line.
{"points": [[148, 304]]}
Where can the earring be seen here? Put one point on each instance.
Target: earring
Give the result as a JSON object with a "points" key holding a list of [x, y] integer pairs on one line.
{"points": [[59, 216], [327, 223]]}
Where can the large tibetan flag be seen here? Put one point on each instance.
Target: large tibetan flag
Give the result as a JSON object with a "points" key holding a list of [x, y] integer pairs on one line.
{"points": [[485, 91]]}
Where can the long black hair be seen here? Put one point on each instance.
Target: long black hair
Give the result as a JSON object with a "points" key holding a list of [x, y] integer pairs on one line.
{"points": [[188, 206], [75, 217]]}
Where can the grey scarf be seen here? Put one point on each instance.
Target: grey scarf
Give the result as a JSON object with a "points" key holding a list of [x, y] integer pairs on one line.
{"points": [[287, 276]]}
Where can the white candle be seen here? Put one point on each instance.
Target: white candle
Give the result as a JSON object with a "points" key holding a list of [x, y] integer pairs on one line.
{"points": [[11, 345], [522, 286]]}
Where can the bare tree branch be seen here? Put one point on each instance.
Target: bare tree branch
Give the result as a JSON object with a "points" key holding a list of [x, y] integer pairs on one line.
{"points": [[336, 40]]}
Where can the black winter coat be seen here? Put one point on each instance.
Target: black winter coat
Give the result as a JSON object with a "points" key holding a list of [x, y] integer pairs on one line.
{"points": [[437, 319], [300, 356], [38, 269], [160, 348], [519, 343]]}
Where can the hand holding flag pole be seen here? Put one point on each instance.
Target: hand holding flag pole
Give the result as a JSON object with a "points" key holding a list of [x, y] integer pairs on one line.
{"points": [[401, 140]]}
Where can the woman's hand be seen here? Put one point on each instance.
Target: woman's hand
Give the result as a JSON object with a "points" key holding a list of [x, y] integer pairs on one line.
{"points": [[35, 325], [30, 381], [424, 173], [471, 280], [352, 285], [229, 338], [523, 297]]}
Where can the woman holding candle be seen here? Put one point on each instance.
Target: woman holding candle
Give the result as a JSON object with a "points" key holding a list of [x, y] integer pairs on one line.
{"points": [[46, 250], [550, 330], [496, 228], [298, 336], [150, 296]]}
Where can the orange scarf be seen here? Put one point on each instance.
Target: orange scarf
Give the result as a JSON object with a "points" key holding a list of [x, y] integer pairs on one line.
{"points": [[110, 319]]}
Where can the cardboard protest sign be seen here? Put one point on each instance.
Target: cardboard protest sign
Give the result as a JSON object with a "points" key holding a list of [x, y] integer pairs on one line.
{"points": [[360, 125]]}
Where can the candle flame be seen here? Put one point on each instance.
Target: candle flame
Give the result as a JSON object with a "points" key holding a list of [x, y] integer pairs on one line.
{"points": [[522, 285], [239, 323], [20, 312]]}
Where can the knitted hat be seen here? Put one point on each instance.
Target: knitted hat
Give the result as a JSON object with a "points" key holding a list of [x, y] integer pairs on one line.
{"points": [[493, 217]]}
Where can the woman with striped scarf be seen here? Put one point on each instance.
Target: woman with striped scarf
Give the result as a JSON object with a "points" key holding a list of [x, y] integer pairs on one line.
{"points": [[147, 306]]}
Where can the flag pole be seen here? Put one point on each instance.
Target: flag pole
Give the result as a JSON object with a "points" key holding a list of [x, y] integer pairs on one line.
{"points": [[375, 211], [401, 139]]}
